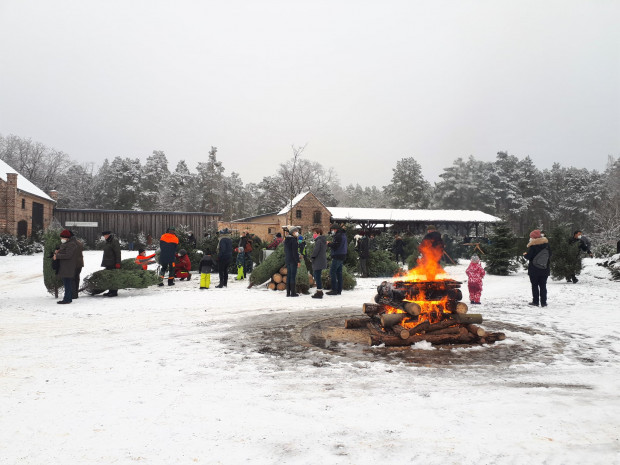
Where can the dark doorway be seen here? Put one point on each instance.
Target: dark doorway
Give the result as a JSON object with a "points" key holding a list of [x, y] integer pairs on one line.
{"points": [[22, 228], [37, 216]]}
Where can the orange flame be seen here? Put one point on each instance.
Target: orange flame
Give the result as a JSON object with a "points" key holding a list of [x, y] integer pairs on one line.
{"points": [[428, 268]]}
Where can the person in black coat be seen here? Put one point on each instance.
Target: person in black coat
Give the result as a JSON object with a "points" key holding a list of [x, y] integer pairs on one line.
{"points": [[292, 260], [224, 256], [399, 249], [538, 267], [111, 257], [363, 250]]}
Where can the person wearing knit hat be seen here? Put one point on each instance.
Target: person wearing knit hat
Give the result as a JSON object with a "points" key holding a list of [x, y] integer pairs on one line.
{"points": [[67, 260], [539, 256]]}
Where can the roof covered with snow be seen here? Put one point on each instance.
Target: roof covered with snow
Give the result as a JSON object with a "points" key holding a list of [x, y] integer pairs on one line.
{"points": [[393, 215], [296, 200], [22, 183]]}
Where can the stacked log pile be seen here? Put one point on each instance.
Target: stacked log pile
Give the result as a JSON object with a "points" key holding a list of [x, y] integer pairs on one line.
{"points": [[278, 280], [408, 312]]}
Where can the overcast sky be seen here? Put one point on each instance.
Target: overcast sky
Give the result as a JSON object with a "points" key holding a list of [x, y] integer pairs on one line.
{"points": [[362, 83]]}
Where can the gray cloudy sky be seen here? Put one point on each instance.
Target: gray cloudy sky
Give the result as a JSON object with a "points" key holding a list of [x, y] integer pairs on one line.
{"points": [[363, 83]]}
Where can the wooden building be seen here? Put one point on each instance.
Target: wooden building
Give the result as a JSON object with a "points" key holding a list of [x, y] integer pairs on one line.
{"points": [[128, 224], [24, 208], [305, 211]]}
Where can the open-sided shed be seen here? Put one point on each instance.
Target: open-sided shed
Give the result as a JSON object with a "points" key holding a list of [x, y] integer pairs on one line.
{"points": [[457, 222]]}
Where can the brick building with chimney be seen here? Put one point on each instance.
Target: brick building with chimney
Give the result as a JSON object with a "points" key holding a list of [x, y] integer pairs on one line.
{"points": [[24, 208]]}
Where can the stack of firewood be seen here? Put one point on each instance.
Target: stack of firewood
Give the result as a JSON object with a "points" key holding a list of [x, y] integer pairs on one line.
{"points": [[399, 319], [278, 280]]}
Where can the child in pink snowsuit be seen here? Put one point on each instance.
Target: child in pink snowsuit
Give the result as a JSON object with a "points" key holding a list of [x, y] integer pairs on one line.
{"points": [[475, 273]]}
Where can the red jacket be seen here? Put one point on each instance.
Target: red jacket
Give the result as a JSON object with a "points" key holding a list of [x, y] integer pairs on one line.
{"points": [[184, 264]]}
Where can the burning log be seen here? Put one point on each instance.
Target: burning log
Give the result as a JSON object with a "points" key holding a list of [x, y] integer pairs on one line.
{"points": [[401, 331]]}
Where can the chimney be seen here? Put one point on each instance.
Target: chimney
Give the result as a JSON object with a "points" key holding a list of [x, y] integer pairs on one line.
{"points": [[54, 195], [11, 200]]}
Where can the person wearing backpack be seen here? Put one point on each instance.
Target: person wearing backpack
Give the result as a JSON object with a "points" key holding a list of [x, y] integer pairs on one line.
{"points": [[539, 256]]}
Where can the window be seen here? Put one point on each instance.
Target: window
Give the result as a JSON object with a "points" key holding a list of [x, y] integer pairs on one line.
{"points": [[23, 204], [316, 217], [298, 214], [269, 231]]}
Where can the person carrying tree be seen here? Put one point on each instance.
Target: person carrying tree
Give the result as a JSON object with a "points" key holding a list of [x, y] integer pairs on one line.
{"points": [[144, 260], [111, 257], [583, 245], [67, 257], [539, 256]]}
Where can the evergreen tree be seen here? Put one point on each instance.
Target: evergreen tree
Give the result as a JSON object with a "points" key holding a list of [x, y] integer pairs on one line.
{"points": [[505, 181], [75, 189], [208, 189], [177, 191], [153, 177], [465, 186], [408, 188], [501, 252], [565, 255]]}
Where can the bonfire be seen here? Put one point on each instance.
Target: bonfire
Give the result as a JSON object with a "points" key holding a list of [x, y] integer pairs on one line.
{"points": [[423, 304]]}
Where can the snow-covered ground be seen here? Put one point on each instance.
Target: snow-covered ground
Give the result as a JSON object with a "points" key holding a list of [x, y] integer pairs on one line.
{"points": [[222, 376]]}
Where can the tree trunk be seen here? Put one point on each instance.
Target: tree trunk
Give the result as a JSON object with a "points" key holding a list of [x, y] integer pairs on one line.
{"points": [[272, 286], [462, 308], [390, 319], [391, 340], [356, 323], [372, 309], [277, 278], [280, 286], [476, 330], [283, 271]]}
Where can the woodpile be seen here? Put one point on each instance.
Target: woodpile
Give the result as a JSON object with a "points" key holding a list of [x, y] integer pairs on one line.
{"points": [[278, 280], [408, 312]]}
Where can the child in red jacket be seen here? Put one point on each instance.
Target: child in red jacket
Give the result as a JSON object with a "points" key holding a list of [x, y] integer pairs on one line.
{"points": [[475, 273], [183, 266]]}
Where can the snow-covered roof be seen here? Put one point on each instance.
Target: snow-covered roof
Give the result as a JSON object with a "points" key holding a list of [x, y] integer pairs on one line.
{"points": [[392, 215], [295, 201], [22, 183]]}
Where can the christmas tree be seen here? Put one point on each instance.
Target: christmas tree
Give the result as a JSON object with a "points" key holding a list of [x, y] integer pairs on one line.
{"points": [[501, 256], [565, 258]]}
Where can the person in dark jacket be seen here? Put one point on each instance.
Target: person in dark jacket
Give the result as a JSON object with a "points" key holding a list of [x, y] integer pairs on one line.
{"points": [[538, 270], [111, 257], [583, 245], [168, 244], [398, 247], [339, 253], [79, 265], [319, 260], [224, 256], [206, 267], [292, 259], [363, 251], [67, 256]]}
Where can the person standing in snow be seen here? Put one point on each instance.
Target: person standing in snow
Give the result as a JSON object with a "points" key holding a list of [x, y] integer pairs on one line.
{"points": [[67, 256], [79, 265], [319, 260], [539, 256], [111, 257], [475, 273], [339, 249], [363, 250], [398, 248], [224, 256], [168, 244], [292, 260], [277, 240], [583, 245], [206, 267]]}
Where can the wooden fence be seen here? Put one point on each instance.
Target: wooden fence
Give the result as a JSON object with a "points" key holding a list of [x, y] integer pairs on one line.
{"points": [[128, 224]]}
